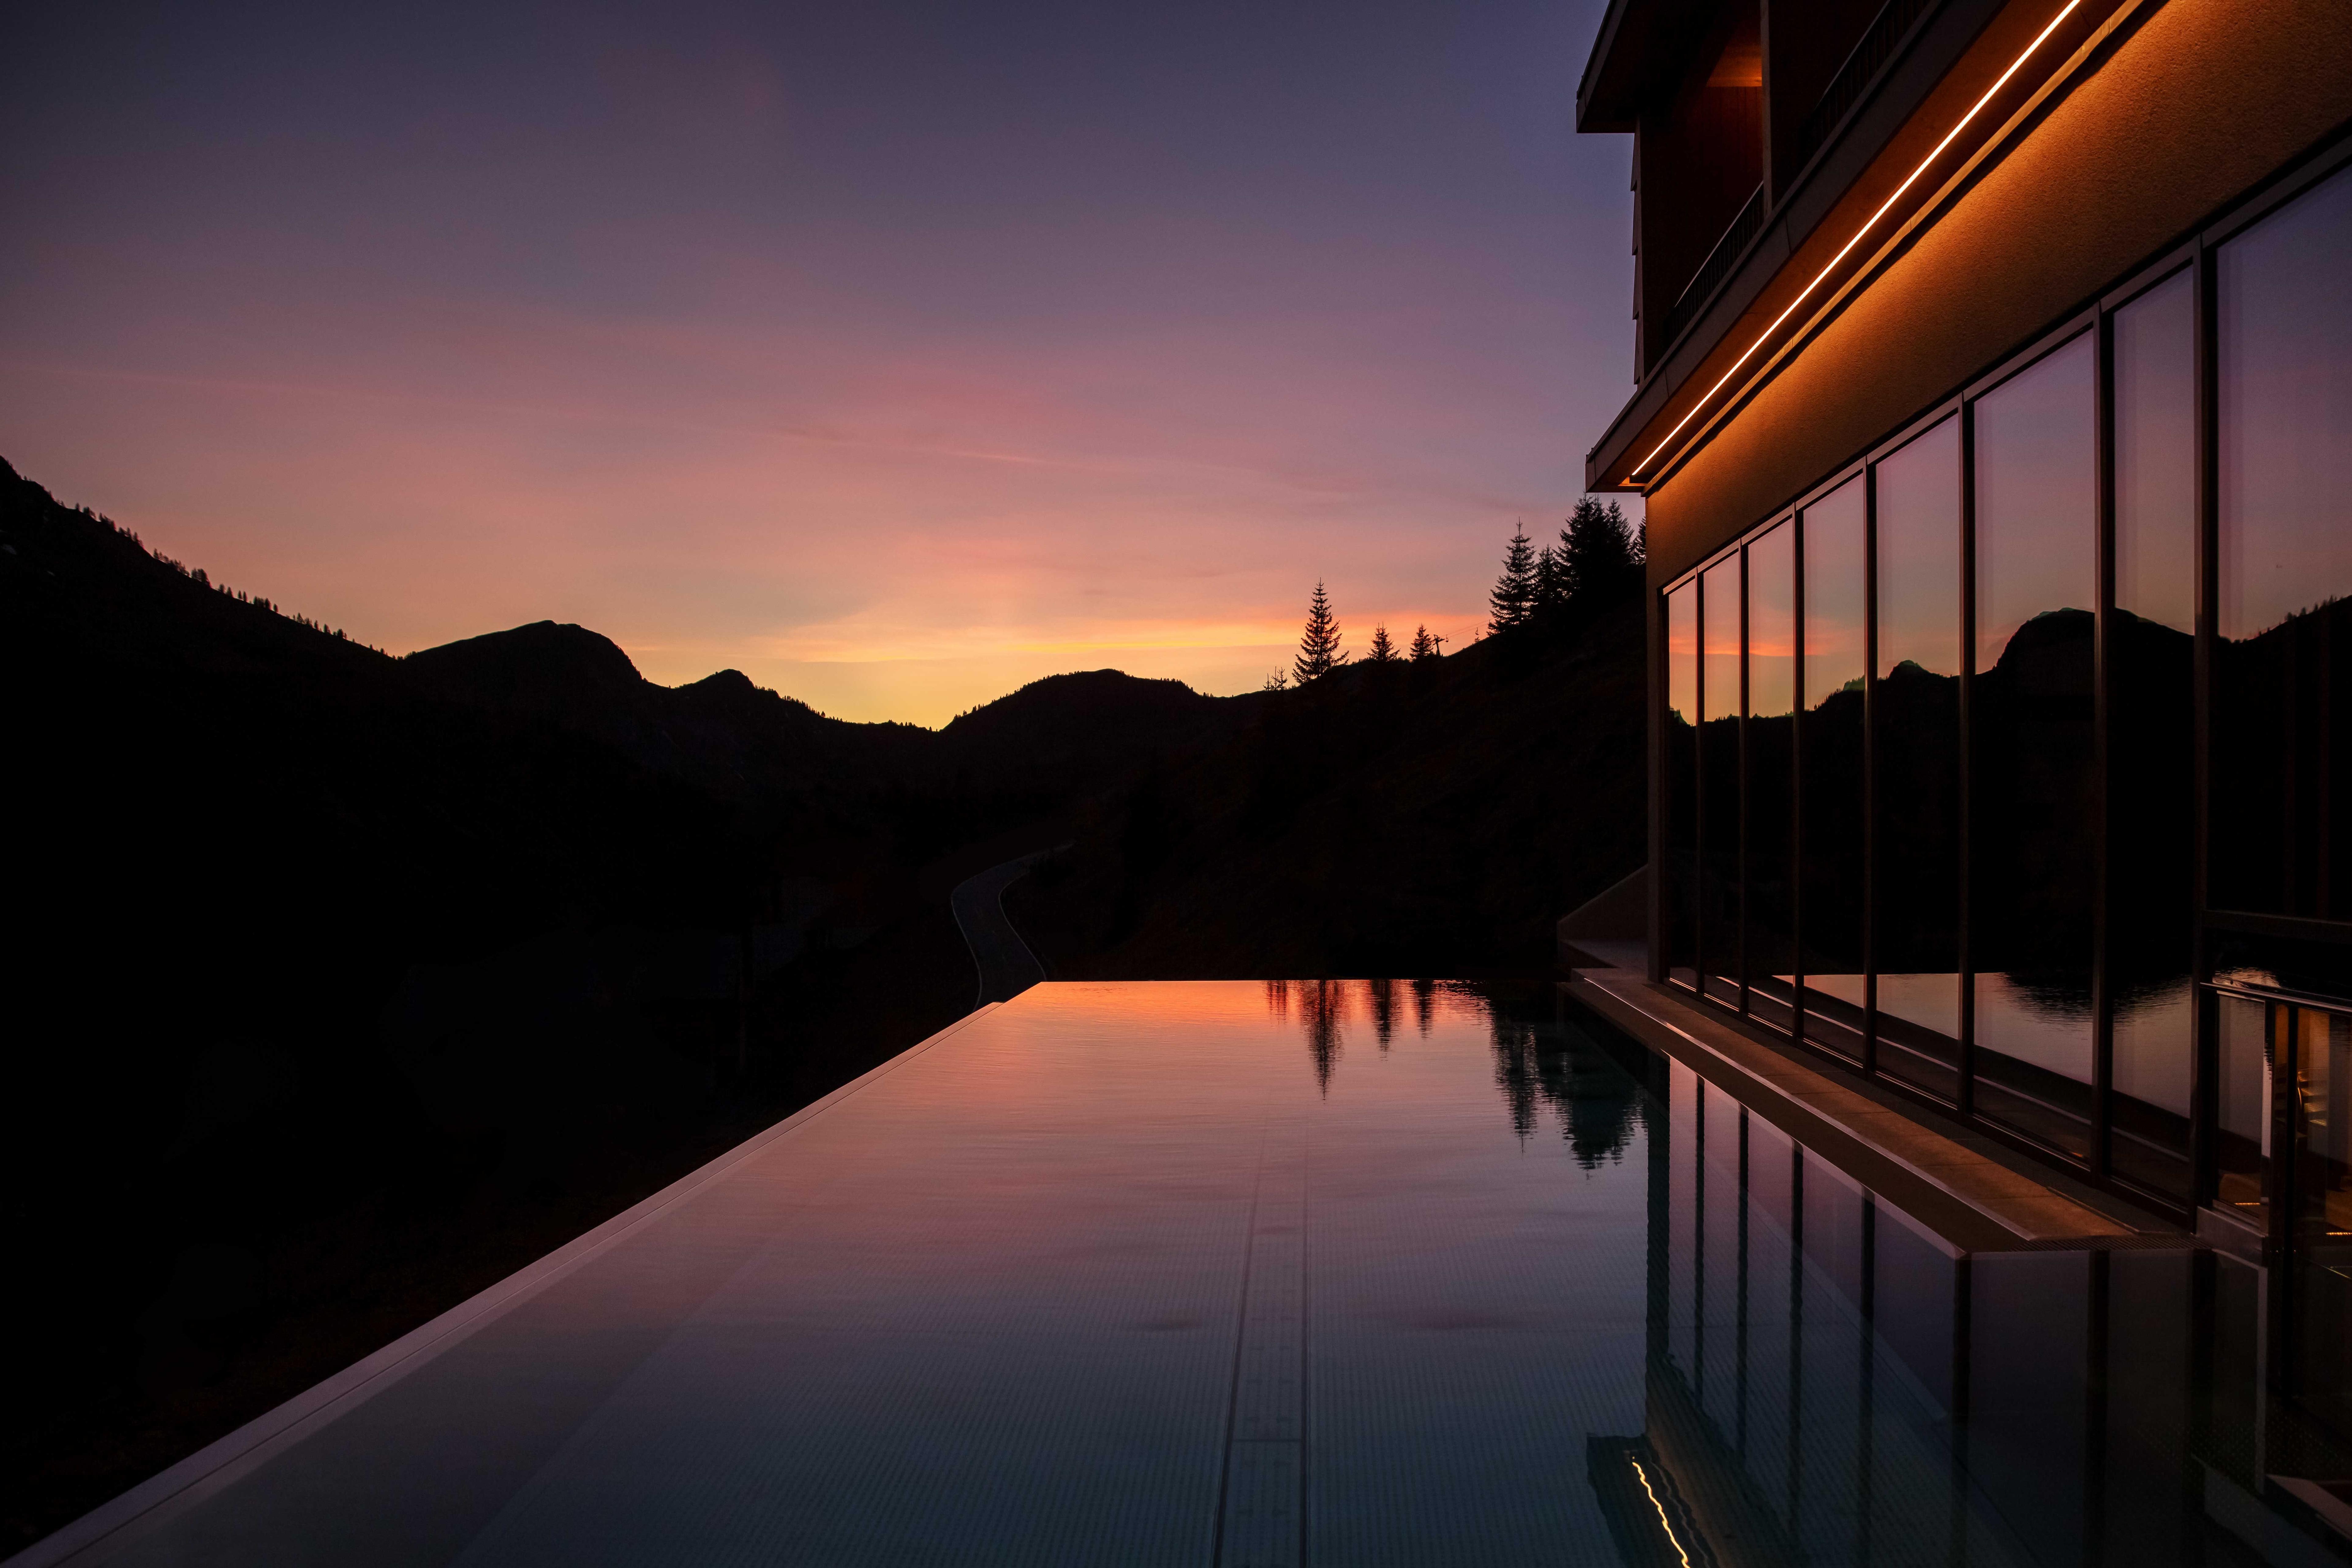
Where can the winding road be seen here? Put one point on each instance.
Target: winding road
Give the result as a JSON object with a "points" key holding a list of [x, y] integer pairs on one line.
{"points": [[1007, 967]]}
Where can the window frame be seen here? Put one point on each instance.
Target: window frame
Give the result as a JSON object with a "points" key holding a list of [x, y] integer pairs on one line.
{"points": [[2194, 254]]}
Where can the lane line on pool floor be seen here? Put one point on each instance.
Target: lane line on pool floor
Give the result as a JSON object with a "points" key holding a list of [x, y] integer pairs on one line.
{"points": [[1265, 1452]]}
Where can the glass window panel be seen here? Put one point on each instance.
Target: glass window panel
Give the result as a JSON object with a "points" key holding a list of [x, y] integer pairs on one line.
{"points": [[1771, 799], [1919, 556], [2243, 1121], [1830, 848], [1772, 623], [2035, 804], [2155, 455], [2283, 662], [2154, 1044], [2323, 1110], [1916, 732], [2322, 1192], [1720, 700], [1681, 653], [1719, 604], [1681, 853], [2151, 662]]}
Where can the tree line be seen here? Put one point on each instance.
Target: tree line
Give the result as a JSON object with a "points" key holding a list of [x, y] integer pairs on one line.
{"points": [[202, 579], [1598, 562]]}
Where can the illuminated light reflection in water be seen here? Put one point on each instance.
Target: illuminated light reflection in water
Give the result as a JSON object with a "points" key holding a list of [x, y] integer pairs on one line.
{"points": [[1346, 1272]]}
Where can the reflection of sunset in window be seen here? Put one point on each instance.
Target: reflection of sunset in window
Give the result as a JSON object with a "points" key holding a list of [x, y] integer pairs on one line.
{"points": [[1681, 653], [1719, 608], [1834, 564], [1772, 623]]}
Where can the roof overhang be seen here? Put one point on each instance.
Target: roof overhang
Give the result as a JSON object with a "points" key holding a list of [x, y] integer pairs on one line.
{"points": [[1642, 45], [1966, 83]]}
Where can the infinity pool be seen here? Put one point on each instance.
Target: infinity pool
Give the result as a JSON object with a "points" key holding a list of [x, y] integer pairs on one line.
{"points": [[1247, 1274]]}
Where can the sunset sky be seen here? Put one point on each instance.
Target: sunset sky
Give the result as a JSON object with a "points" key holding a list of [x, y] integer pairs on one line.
{"points": [[895, 356]]}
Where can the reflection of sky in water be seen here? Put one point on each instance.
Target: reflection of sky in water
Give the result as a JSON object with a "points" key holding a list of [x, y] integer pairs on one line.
{"points": [[1360, 1272]]}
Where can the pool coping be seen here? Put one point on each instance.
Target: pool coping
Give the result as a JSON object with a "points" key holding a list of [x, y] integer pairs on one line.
{"points": [[1971, 1194], [227, 1458]]}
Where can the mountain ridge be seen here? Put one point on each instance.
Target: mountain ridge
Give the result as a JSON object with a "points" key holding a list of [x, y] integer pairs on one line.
{"points": [[1071, 730], [364, 980]]}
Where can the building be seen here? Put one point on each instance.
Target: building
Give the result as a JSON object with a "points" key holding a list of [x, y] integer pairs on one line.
{"points": [[1829, 1382], [1993, 416]]}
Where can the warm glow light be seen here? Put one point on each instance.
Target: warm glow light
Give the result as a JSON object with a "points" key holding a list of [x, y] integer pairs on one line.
{"points": [[1663, 1522], [1847, 249]]}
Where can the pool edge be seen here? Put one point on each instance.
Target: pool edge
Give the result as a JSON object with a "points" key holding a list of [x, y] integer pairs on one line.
{"points": [[226, 1458]]}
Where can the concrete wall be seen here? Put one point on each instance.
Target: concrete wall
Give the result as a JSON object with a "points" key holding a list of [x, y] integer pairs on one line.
{"points": [[2202, 101]]}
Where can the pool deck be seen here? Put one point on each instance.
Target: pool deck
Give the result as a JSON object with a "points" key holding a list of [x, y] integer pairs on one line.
{"points": [[1980, 1196]]}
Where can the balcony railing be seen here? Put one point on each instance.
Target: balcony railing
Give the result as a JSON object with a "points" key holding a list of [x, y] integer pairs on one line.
{"points": [[1718, 262], [1862, 67]]}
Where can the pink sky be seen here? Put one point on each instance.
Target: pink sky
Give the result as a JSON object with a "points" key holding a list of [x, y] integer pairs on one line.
{"points": [[889, 452]]}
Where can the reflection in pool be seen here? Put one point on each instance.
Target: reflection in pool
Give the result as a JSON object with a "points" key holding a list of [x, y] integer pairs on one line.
{"points": [[1358, 1272]]}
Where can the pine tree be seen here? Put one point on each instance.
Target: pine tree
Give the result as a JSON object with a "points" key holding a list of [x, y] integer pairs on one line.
{"points": [[1278, 682], [1383, 650], [1552, 580], [1423, 645], [1319, 646], [1601, 555], [1513, 600]]}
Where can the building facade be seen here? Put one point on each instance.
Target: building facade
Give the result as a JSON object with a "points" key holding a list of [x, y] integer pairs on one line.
{"points": [[1993, 418], [1826, 1383]]}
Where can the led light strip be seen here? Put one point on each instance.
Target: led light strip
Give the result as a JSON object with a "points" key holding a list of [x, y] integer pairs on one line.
{"points": [[1644, 1476], [2014, 66]]}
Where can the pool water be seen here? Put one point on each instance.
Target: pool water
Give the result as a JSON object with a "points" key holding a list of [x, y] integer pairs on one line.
{"points": [[1240, 1273]]}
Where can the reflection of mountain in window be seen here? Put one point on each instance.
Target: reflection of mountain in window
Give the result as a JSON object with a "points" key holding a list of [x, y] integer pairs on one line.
{"points": [[2284, 379]]}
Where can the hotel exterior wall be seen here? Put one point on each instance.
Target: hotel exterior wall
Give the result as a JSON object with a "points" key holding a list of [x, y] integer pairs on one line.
{"points": [[2202, 101]]}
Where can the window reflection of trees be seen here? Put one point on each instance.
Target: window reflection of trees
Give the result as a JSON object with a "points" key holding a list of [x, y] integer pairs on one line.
{"points": [[2034, 801], [1916, 737], [2283, 654], [1999, 716]]}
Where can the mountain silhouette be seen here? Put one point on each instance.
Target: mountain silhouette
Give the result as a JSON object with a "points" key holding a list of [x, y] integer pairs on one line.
{"points": [[1425, 818], [368, 979], [352, 983]]}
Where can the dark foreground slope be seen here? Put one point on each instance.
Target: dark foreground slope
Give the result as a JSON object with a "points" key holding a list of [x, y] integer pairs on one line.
{"points": [[340, 985], [1408, 819]]}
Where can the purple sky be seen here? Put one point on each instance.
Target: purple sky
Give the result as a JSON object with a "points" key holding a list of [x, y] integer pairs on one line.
{"points": [[894, 355]]}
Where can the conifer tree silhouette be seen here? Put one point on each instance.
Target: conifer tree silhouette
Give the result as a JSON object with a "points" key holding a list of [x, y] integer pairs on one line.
{"points": [[1383, 651], [1513, 600], [1551, 588], [1319, 646], [1601, 555], [1423, 645]]}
